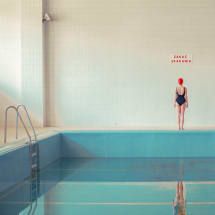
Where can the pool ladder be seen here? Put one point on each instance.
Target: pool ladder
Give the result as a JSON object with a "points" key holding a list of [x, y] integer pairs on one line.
{"points": [[33, 151]]}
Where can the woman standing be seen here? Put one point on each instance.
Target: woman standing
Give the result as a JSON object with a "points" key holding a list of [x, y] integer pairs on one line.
{"points": [[181, 102]]}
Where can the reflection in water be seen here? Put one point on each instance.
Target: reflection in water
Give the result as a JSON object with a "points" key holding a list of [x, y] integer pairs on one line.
{"points": [[179, 202], [34, 194], [117, 187]]}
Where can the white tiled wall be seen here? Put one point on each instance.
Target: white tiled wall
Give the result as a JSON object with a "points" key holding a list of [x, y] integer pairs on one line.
{"points": [[108, 62], [21, 57], [32, 57], [10, 54]]}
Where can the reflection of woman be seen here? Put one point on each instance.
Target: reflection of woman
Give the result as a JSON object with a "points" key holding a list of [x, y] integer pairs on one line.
{"points": [[181, 101], [179, 202]]}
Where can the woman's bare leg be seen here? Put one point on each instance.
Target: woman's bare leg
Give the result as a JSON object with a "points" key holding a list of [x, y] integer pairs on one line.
{"points": [[179, 117], [182, 116], [181, 191], [177, 192]]}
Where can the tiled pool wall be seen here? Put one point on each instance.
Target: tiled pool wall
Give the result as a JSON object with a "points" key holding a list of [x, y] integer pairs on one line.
{"points": [[132, 144], [14, 165]]}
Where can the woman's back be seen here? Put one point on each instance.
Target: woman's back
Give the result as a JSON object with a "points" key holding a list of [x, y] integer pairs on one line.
{"points": [[180, 90]]}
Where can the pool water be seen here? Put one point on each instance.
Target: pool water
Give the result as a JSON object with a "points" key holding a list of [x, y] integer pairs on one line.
{"points": [[114, 186]]}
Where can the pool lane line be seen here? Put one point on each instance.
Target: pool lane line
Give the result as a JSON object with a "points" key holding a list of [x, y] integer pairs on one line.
{"points": [[107, 203], [113, 183], [124, 183], [93, 203]]}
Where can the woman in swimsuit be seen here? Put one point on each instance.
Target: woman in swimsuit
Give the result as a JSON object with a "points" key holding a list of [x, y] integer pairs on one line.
{"points": [[179, 202], [181, 101]]}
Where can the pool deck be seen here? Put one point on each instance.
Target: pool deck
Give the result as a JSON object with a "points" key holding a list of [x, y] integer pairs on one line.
{"points": [[11, 140], [48, 130]]}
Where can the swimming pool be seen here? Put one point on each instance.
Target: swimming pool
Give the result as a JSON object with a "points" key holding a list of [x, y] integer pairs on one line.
{"points": [[113, 173]]}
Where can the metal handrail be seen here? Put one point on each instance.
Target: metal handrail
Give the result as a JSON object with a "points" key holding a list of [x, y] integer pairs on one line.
{"points": [[29, 120], [20, 117], [31, 144]]}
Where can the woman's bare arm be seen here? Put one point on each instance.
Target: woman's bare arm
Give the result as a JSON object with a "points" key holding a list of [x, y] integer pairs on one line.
{"points": [[174, 102], [186, 97]]}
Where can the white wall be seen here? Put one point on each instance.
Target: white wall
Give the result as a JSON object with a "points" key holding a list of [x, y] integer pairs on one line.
{"points": [[21, 57], [32, 58], [108, 62], [10, 54]]}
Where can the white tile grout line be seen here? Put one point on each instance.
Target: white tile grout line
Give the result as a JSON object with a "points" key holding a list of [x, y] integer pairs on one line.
{"points": [[103, 183], [108, 203], [130, 183], [118, 183], [97, 183]]}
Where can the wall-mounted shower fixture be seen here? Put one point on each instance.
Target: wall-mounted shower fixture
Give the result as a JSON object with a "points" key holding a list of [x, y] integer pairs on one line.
{"points": [[46, 17]]}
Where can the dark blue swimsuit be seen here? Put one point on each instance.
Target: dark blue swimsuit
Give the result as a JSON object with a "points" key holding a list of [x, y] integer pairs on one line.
{"points": [[181, 98]]}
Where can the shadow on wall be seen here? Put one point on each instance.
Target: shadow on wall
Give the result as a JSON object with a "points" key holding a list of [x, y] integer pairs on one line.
{"points": [[5, 102]]}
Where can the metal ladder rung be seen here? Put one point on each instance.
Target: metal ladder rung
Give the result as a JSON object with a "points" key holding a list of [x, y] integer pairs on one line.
{"points": [[34, 154], [34, 166]]}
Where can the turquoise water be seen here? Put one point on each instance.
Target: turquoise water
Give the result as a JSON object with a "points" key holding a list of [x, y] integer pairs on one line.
{"points": [[114, 186]]}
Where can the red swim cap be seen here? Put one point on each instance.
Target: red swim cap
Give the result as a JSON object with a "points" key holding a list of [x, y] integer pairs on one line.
{"points": [[180, 81]]}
